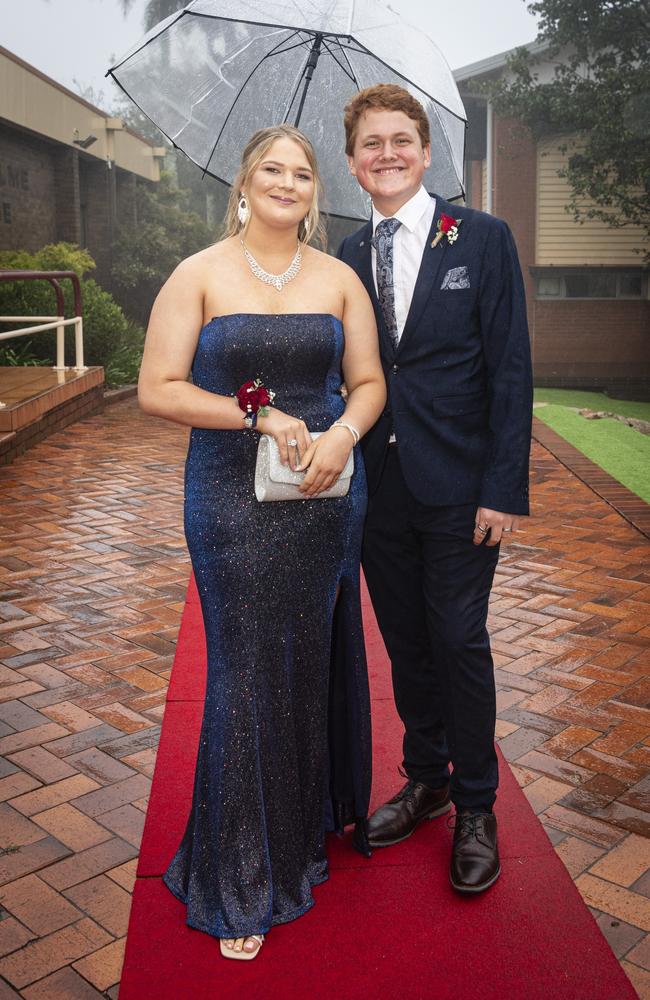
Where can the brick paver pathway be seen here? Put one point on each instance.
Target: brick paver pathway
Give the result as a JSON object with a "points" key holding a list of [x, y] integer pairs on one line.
{"points": [[93, 570]]}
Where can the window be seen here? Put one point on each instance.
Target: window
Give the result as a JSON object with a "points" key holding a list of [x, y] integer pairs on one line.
{"points": [[550, 287], [630, 285], [590, 286], [590, 283]]}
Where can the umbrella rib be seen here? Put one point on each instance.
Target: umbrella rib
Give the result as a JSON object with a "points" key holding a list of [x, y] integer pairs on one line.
{"points": [[449, 149], [349, 72], [362, 50], [131, 53], [262, 24], [334, 35], [204, 170], [277, 51], [339, 47], [155, 124], [266, 56], [301, 44]]}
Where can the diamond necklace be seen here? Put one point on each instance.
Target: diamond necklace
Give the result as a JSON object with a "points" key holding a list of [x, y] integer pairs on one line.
{"points": [[278, 280]]}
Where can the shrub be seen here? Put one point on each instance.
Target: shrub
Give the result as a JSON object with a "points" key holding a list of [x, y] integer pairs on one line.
{"points": [[123, 366], [106, 329], [19, 357], [105, 325]]}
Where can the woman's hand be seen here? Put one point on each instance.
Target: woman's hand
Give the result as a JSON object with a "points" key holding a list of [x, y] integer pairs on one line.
{"points": [[285, 429], [325, 460]]}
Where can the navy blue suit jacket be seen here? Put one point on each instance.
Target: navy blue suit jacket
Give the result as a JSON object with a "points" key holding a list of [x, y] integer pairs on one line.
{"points": [[459, 383]]}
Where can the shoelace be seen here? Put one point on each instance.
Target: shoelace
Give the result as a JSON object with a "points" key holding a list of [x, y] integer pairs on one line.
{"points": [[407, 792], [467, 824]]}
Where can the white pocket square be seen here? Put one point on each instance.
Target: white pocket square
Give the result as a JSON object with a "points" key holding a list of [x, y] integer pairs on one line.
{"points": [[456, 277]]}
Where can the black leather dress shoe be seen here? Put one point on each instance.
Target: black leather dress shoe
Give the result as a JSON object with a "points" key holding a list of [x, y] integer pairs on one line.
{"points": [[398, 818], [475, 855]]}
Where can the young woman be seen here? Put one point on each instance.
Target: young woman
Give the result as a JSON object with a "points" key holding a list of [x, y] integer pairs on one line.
{"points": [[284, 751]]}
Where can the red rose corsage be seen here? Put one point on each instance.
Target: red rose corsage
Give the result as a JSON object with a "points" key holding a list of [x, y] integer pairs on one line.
{"points": [[447, 226], [254, 398]]}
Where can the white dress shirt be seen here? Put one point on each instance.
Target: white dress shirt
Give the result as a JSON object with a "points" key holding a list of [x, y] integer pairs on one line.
{"points": [[409, 242]]}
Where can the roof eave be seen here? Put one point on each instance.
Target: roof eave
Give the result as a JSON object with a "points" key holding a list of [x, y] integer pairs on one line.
{"points": [[485, 67]]}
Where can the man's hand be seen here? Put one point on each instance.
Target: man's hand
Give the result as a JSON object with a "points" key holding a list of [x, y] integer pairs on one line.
{"points": [[493, 525]]}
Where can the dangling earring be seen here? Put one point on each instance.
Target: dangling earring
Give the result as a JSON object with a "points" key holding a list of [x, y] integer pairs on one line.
{"points": [[305, 228], [243, 210]]}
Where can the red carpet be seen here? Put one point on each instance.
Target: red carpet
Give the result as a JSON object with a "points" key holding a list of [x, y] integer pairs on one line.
{"points": [[383, 929]]}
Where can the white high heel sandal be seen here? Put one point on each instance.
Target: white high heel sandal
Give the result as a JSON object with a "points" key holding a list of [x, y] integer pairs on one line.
{"points": [[242, 955]]}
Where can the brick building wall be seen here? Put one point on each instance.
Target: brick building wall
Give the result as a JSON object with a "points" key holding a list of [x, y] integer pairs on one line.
{"points": [[515, 184], [66, 187], [599, 344], [97, 198], [50, 192], [27, 191]]}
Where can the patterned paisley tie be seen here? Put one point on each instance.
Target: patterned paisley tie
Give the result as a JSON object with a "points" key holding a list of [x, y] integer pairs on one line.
{"points": [[382, 241]]}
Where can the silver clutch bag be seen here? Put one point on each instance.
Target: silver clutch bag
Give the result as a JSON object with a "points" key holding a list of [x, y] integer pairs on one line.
{"points": [[275, 481]]}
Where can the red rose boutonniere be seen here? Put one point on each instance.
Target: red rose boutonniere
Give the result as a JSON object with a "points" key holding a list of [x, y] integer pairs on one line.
{"points": [[254, 397], [447, 226]]}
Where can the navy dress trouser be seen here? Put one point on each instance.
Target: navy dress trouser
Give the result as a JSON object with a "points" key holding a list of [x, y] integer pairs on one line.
{"points": [[430, 587]]}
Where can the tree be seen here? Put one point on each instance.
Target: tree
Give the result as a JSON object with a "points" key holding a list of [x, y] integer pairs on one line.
{"points": [[208, 197], [597, 100], [145, 253], [155, 10], [176, 217]]}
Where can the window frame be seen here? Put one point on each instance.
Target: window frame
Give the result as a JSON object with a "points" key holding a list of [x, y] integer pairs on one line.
{"points": [[562, 273]]}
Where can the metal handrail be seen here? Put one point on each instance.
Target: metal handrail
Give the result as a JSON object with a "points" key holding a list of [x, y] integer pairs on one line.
{"points": [[58, 322]]}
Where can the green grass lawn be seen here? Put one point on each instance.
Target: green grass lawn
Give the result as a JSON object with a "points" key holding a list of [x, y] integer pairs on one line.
{"points": [[618, 449]]}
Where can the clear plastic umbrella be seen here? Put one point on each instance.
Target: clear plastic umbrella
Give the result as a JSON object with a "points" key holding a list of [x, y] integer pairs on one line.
{"points": [[214, 72]]}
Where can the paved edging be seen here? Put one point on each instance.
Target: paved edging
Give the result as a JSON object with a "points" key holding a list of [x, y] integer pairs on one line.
{"points": [[16, 443], [117, 395], [633, 508]]}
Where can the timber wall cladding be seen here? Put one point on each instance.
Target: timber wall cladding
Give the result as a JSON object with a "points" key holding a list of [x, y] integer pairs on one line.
{"points": [[560, 240], [27, 192]]}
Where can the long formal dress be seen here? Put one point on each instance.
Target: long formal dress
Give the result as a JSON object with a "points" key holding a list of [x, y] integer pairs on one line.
{"points": [[284, 751]]}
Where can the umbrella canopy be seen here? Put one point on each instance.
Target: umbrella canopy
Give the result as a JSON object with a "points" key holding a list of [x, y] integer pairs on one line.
{"points": [[218, 70]]}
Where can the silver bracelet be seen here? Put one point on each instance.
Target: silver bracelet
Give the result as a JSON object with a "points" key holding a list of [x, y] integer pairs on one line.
{"points": [[353, 431]]}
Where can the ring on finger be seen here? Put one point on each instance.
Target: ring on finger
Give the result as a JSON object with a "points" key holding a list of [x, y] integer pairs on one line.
{"points": [[292, 442], [483, 530], [506, 529]]}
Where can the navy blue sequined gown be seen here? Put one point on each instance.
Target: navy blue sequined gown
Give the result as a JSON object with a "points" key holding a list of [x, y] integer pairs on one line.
{"points": [[284, 751]]}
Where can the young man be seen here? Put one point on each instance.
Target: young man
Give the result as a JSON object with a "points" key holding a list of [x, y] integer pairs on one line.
{"points": [[447, 466]]}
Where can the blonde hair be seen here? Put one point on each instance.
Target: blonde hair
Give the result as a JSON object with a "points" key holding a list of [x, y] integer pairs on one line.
{"points": [[254, 152]]}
